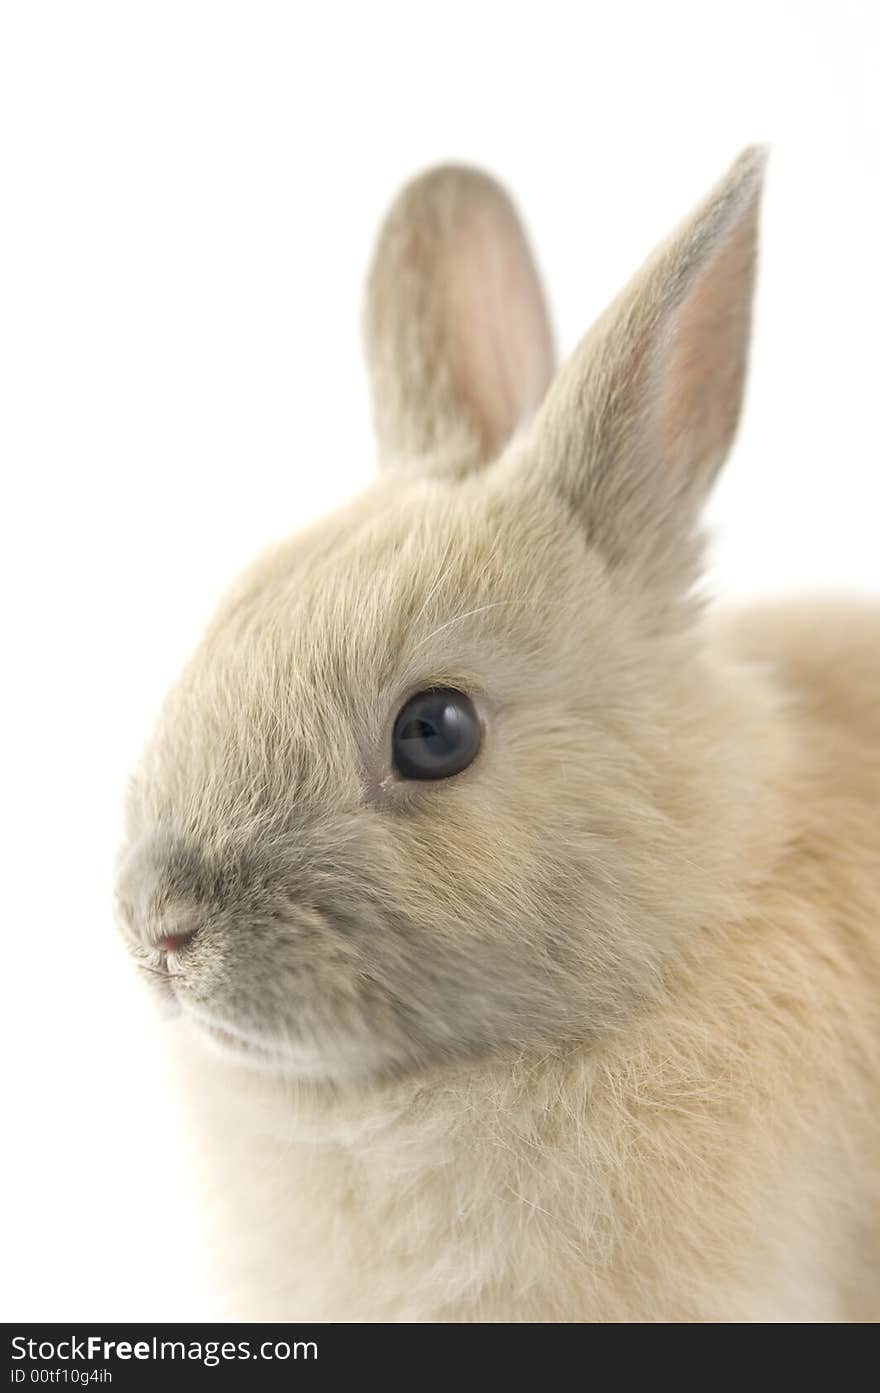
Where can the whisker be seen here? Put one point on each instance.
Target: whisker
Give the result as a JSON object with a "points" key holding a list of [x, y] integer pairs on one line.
{"points": [[158, 971], [438, 576], [468, 614]]}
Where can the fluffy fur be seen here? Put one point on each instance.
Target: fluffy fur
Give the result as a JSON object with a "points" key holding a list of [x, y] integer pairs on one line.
{"points": [[591, 1031]]}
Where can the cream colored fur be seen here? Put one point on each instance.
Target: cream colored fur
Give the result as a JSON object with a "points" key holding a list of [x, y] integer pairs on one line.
{"points": [[590, 1032]]}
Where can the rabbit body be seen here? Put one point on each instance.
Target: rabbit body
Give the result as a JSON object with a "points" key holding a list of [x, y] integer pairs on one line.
{"points": [[591, 1030], [717, 1160]]}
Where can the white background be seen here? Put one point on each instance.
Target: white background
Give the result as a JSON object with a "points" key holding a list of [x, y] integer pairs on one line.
{"points": [[188, 196]]}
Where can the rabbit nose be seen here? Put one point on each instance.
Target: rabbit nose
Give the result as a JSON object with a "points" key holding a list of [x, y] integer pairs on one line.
{"points": [[170, 931], [158, 894], [173, 943]]}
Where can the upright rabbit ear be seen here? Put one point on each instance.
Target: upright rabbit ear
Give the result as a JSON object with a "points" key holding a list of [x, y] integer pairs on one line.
{"points": [[458, 342], [640, 419]]}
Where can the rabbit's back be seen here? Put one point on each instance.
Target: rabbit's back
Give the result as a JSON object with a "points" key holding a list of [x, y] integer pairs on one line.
{"points": [[824, 659], [826, 655], [825, 897]]}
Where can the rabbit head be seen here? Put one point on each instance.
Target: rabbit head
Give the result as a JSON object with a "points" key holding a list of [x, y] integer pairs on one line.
{"points": [[450, 772]]}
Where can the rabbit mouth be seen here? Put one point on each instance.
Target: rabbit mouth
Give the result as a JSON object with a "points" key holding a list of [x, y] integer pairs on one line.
{"points": [[333, 1061], [160, 983], [229, 1041], [224, 1032], [232, 1043]]}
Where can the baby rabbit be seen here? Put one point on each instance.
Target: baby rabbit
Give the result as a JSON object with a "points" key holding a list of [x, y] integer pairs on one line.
{"points": [[522, 923]]}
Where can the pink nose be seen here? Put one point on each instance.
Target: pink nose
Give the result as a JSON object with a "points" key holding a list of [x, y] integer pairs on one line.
{"points": [[172, 943]]}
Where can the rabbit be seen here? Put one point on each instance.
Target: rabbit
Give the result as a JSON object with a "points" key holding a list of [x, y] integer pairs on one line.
{"points": [[517, 913]]}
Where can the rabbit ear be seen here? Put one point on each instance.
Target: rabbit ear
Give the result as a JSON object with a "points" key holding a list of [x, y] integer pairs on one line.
{"points": [[640, 419], [458, 341]]}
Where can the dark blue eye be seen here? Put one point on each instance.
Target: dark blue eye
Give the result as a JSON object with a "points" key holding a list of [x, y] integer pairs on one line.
{"points": [[436, 735]]}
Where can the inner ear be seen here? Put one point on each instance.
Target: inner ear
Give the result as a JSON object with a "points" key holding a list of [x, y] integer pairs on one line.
{"points": [[498, 329], [458, 339], [699, 362]]}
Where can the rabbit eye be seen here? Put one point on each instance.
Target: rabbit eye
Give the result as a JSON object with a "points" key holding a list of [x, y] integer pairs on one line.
{"points": [[436, 734]]}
